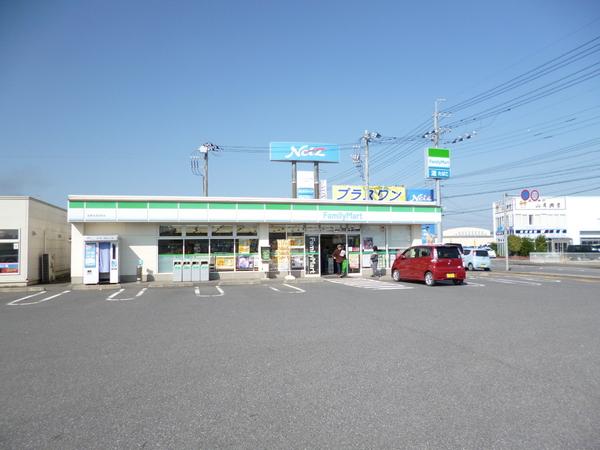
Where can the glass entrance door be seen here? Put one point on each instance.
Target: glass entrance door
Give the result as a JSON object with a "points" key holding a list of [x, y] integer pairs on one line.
{"points": [[353, 248]]}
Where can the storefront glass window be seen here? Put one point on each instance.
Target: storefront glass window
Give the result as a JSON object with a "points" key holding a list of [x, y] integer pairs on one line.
{"points": [[247, 230], [170, 230], [247, 254], [9, 257], [196, 248], [222, 254], [222, 230], [9, 234], [196, 230], [168, 250]]}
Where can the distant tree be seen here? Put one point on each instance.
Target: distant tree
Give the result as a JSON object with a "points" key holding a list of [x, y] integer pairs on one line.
{"points": [[527, 246], [541, 244], [514, 244], [494, 246]]}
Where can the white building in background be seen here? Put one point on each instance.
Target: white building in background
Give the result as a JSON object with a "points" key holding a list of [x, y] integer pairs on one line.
{"points": [[30, 229], [469, 236], [562, 220]]}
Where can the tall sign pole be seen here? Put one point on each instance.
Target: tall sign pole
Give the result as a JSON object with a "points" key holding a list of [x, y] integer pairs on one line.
{"points": [[438, 186], [316, 182]]}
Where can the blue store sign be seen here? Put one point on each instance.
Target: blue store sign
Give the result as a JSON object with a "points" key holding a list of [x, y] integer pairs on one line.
{"points": [[419, 195], [305, 152]]}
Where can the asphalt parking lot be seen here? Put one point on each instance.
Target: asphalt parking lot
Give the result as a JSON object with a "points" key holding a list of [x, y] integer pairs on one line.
{"points": [[504, 361]]}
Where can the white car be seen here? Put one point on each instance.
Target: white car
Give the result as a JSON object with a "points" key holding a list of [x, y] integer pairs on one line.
{"points": [[490, 251], [476, 258]]}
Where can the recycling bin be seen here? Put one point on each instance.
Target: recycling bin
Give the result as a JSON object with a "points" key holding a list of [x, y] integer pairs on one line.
{"points": [[177, 270], [186, 270], [195, 270], [204, 271]]}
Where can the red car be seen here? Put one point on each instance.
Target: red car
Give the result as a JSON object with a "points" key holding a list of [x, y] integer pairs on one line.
{"points": [[430, 263]]}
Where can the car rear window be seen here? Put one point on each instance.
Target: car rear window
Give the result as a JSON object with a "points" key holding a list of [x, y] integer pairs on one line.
{"points": [[448, 252], [481, 253]]}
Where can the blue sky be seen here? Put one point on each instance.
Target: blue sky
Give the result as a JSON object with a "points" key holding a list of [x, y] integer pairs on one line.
{"points": [[107, 97]]}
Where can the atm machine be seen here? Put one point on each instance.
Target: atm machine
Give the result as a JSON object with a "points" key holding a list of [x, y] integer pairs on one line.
{"points": [[101, 259]]}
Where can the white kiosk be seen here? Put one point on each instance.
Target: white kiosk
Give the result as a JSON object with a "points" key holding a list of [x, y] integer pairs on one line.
{"points": [[101, 259]]}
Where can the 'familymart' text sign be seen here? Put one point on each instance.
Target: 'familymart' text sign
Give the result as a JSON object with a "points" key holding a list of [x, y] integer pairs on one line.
{"points": [[437, 163]]}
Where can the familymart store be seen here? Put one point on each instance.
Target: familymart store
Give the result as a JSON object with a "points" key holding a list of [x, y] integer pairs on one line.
{"points": [[121, 238]]}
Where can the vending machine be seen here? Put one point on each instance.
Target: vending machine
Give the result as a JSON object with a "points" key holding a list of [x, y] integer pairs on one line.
{"points": [[101, 259]]}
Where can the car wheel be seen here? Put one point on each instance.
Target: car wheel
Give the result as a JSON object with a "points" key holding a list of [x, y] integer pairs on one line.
{"points": [[429, 281], [470, 266], [487, 269], [457, 282], [396, 275]]}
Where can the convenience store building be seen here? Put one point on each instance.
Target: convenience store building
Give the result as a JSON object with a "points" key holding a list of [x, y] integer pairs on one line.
{"points": [[240, 238]]}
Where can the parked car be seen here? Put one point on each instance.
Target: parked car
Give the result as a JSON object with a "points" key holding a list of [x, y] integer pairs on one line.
{"points": [[429, 263], [475, 258], [490, 250]]}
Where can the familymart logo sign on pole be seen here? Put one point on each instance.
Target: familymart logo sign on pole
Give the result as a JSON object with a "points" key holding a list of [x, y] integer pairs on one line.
{"points": [[437, 163]]}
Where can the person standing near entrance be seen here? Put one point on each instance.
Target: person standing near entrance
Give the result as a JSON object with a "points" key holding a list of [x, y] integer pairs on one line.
{"points": [[374, 262], [339, 255], [344, 265]]}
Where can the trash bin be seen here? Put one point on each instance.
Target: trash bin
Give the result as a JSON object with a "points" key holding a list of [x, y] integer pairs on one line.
{"points": [[176, 270], [204, 271], [186, 270], [195, 270]]}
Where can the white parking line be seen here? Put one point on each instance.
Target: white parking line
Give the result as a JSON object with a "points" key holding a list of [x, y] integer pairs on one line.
{"points": [[17, 302], [300, 291], [274, 289], [220, 294], [371, 284], [111, 298], [506, 281]]}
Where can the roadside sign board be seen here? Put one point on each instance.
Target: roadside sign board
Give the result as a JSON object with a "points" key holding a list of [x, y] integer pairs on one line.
{"points": [[305, 152], [437, 163]]}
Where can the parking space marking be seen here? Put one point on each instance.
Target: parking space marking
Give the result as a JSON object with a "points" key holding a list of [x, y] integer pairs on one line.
{"points": [[111, 298], [472, 284], [18, 301], [507, 281], [13, 303], [297, 290], [198, 294], [371, 284], [300, 291]]}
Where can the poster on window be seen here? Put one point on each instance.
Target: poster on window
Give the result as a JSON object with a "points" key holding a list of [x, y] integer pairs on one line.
{"points": [[224, 263], [245, 263], [9, 267], [354, 260], [244, 246], [297, 262]]}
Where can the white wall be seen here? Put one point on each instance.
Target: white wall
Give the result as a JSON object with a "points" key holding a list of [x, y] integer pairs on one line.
{"points": [[583, 215], [49, 233], [13, 215], [136, 241]]}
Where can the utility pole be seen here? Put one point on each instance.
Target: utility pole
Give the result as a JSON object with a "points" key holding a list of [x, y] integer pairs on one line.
{"points": [[368, 137], [438, 187], [506, 232], [201, 154]]}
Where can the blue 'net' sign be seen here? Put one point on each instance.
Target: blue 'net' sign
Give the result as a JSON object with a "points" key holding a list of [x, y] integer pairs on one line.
{"points": [[305, 152]]}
